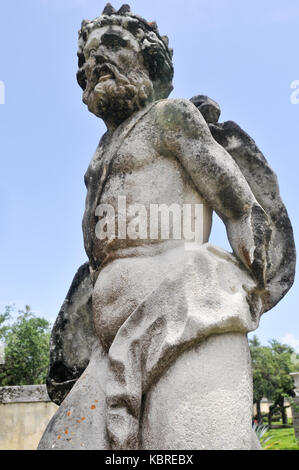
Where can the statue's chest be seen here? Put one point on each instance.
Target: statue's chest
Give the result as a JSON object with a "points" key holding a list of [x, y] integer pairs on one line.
{"points": [[132, 156], [125, 155]]}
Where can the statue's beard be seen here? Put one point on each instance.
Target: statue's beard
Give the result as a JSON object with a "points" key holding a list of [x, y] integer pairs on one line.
{"points": [[116, 98]]}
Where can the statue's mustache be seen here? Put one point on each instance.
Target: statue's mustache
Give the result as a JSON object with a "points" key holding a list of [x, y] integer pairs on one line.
{"points": [[109, 70]]}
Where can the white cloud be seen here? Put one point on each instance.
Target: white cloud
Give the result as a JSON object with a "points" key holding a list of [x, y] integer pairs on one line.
{"points": [[291, 340]]}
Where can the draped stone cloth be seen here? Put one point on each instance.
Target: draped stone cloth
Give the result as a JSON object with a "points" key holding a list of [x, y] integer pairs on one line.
{"points": [[205, 295]]}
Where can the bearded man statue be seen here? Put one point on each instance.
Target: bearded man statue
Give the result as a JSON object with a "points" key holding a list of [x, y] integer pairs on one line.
{"points": [[150, 349]]}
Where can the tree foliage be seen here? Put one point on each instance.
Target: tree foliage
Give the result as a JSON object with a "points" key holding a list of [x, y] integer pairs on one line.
{"points": [[271, 375], [4, 317], [27, 343]]}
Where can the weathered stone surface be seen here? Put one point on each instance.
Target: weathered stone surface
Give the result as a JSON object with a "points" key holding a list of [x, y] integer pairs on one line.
{"points": [[24, 415], [281, 254], [170, 320], [80, 421], [72, 337], [201, 295], [295, 414], [208, 108], [295, 376], [215, 378], [24, 394]]}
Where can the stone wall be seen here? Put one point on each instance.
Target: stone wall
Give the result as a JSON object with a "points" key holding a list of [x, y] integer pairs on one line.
{"points": [[24, 414], [296, 417], [295, 408]]}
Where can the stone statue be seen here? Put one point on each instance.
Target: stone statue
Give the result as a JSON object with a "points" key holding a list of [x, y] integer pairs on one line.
{"points": [[150, 350]]}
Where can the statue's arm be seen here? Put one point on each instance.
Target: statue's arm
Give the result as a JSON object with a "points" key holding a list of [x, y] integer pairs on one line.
{"points": [[185, 134]]}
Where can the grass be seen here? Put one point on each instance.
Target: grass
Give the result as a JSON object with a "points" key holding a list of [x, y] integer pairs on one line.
{"points": [[282, 439]]}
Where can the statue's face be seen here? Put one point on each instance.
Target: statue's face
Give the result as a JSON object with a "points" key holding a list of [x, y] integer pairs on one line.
{"points": [[117, 79]]}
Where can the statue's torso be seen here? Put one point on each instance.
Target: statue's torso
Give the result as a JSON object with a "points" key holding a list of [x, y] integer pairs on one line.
{"points": [[132, 268], [133, 166]]}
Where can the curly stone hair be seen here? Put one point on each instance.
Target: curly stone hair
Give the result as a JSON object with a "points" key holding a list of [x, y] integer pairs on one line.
{"points": [[156, 53]]}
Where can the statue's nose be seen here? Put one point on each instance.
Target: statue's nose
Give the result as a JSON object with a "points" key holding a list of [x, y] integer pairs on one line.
{"points": [[101, 57]]}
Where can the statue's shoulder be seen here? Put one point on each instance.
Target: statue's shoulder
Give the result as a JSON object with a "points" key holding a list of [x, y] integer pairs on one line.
{"points": [[178, 114], [176, 105]]}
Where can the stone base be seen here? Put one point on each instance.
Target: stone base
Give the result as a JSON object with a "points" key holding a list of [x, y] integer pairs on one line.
{"points": [[204, 400]]}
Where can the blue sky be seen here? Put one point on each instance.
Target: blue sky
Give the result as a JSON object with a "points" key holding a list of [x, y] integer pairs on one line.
{"points": [[243, 54]]}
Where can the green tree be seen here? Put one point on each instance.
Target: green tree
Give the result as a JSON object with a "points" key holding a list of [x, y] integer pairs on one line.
{"points": [[271, 368], [27, 349], [263, 371], [284, 387], [4, 317]]}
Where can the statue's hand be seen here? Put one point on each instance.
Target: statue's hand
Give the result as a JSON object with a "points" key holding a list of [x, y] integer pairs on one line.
{"points": [[257, 300], [252, 250], [249, 237]]}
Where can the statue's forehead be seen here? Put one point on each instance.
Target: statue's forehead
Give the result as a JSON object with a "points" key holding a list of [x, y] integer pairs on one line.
{"points": [[96, 34]]}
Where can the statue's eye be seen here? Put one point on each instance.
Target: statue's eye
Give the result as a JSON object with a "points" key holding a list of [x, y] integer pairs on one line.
{"points": [[92, 52], [114, 41]]}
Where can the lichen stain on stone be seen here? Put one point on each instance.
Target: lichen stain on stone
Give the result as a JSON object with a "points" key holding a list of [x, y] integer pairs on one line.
{"points": [[59, 436], [93, 407], [246, 255], [81, 419], [66, 431], [68, 413]]}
